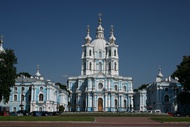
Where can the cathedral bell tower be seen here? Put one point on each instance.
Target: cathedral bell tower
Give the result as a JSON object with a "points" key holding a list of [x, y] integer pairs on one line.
{"points": [[100, 56], [112, 58], [87, 55]]}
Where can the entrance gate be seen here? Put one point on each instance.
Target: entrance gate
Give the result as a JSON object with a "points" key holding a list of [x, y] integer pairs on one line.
{"points": [[100, 104]]}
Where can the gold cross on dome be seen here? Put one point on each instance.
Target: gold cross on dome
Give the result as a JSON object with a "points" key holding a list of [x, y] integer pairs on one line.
{"points": [[100, 15], [1, 38]]}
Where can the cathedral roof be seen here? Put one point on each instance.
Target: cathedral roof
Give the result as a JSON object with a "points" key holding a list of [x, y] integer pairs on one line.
{"points": [[99, 44]]}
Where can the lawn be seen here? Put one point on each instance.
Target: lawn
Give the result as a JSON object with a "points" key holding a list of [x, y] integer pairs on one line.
{"points": [[171, 119], [91, 117], [45, 118]]}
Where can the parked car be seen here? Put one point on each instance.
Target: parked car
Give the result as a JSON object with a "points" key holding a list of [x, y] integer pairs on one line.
{"points": [[24, 112], [4, 113], [180, 114], [36, 113], [16, 114]]}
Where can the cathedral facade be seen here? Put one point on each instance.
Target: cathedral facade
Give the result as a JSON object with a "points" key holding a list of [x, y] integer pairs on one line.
{"points": [[100, 87]]}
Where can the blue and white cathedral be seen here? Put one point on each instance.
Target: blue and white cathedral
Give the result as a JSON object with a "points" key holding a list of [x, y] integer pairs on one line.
{"points": [[100, 87]]}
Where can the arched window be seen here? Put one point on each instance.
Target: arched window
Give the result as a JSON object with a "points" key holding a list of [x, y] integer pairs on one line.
{"points": [[90, 66], [15, 97], [125, 104], [115, 87], [15, 88], [23, 88], [109, 65], [124, 88], [41, 88], [100, 66], [114, 52], [100, 54], [90, 53], [166, 98], [84, 65], [115, 103], [29, 97], [40, 108], [84, 52], [109, 52], [14, 109], [41, 97], [115, 66], [22, 97]]}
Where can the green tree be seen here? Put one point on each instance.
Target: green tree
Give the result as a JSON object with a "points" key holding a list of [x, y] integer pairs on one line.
{"points": [[26, 74], [61, 108], [7, 73], [143, 86], [61, 86], [183, 73]]}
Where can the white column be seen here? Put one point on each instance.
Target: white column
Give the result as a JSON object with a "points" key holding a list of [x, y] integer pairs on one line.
{"points": [[32, 96], [106, 102], [86, 101], [112, 101], [132, 102], [122, 102], [109, 85]]}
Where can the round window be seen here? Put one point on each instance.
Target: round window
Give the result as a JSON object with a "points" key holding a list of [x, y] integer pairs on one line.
{"points": [[100, 85]]}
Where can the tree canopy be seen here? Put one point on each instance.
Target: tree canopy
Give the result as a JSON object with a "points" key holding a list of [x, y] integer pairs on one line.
{"points": [[183, 73], [143, 86], [26, 74], [7, 73]]}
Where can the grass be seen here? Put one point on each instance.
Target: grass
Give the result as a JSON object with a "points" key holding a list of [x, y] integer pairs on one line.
{"points": [[171, 119], [91, 117], [44, 118], [112, 114]]}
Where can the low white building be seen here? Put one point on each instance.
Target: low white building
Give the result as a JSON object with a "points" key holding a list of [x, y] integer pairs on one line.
{"points": [[140, 98], [162, 94], [35, 94]]}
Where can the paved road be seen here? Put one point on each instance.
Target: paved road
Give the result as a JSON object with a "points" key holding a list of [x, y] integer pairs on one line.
{"points": [[99, 122]]}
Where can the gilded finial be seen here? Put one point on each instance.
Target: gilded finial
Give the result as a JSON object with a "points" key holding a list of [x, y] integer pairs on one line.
{"points": [[1, 38], [100, 18]]}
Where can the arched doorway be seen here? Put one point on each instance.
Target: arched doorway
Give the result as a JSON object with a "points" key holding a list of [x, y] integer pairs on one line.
{"points": [[100, 104]]}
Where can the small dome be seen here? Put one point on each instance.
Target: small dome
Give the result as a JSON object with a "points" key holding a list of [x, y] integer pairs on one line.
{"points": [[99, 44], [160, 73], [88, 38], [100, 28], [112, 38]]}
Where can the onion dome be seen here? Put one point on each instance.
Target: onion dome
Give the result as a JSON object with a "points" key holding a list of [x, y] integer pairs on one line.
{"points": [[1, 44], [88, 38], [38, 71], [112, 38], [160, 73]]}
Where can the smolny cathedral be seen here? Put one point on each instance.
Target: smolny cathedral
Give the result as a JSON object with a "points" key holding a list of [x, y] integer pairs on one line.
{"points": [[98, 88]]}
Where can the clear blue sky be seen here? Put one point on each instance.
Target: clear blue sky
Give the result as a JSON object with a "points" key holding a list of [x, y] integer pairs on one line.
{"points": [[50, 33]]}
